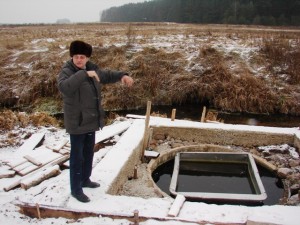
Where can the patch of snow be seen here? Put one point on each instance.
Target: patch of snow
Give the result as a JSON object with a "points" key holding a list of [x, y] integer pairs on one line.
{"points": [[281, 148]]}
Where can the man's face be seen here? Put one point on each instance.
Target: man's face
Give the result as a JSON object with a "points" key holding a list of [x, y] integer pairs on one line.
{"points": [[80, 61]]}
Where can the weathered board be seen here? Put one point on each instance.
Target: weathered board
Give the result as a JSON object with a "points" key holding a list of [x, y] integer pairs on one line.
{"points": [[111, 130]]}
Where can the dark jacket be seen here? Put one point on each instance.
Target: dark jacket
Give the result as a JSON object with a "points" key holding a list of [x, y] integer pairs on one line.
{"points": [[82, 96]]}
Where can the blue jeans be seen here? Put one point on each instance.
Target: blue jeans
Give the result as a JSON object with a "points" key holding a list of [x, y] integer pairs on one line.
{"points": [[81, 160]]}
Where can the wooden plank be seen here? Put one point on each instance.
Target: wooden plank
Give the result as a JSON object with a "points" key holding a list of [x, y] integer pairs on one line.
{"points": [[48, 211], [30, 144], [17, 162], [133, 116], [28, 170], [67, 148], [64, 151], [176, 206], [40, 156], [39, 177], [56, 146], [33, 160], [111, 130], [26, 148], [22, 166], [264, 162], [44, 155], [151, 154], [6, 172], [17, 182]]}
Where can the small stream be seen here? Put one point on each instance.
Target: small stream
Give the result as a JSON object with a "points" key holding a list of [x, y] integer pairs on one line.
{"points": [[194, 112]]}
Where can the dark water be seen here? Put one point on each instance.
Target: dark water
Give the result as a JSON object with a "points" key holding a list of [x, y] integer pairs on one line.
{"points": [[273, 186], [215, 178], [194, 112]]}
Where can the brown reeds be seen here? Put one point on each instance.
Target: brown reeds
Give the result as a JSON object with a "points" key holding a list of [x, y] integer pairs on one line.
{"points": [[266, 82], [283, 59], [10, 120]]}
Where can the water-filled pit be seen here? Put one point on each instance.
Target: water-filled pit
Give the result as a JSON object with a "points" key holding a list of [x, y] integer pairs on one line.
{"points": [[194, 178]]}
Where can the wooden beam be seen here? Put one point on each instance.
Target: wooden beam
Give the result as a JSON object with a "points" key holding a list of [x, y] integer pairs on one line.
{"points": [[56, 146], [6, 172], [261, 161], [17, 182], [176, 206], [146, 130], [111, 130], [173, 115], [32, 160], [39, 177], [203, 115], [151, 154], [30, 209], [31, 143]]}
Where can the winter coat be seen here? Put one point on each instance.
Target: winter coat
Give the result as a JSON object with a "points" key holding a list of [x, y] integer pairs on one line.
{"points": [[82, 96]]}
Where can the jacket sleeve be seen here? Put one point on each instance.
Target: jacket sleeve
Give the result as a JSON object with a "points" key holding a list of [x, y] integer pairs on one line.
{"points": [[69, 83], [106, 76], [110, 76]]}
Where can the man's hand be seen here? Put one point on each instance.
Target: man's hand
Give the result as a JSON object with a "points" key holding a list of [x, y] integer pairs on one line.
{"points": [[93, 74], [127, 80]]}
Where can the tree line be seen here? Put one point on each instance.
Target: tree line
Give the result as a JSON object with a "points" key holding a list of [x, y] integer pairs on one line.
{"points": [[256, 12]]}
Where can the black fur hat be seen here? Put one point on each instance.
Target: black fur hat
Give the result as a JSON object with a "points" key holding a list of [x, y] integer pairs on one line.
{"points": [[80, 48]]}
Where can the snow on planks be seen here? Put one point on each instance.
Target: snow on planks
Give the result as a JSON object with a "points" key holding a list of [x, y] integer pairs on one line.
{"points": [[111, 130], [37, 158], [31, 143], [35, 164], [33, 160]]}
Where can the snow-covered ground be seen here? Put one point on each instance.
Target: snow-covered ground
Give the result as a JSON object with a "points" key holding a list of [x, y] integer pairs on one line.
{"points": [[108, 162]]}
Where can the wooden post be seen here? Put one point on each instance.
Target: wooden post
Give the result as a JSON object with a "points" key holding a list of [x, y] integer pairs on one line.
{"points": [[203, 114], [136, 217], [146, 131], [38, 211], [135, 176], [173, 115]]}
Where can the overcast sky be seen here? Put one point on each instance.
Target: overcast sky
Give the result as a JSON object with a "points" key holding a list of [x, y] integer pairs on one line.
{"points": [[49, 11]]}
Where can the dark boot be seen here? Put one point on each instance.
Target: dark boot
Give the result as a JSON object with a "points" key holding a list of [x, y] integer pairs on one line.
{"points": [[90, 184], [81, 197]]}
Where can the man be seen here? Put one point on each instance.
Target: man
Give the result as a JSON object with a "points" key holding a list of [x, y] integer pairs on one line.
{"points": [[79, 83]]}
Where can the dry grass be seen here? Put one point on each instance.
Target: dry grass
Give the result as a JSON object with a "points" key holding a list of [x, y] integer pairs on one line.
{"points": [[9, 120], [171, 63], [283, 59]]}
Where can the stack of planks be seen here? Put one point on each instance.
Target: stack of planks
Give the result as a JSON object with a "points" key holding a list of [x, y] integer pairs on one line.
{"points": [[36, 164]]}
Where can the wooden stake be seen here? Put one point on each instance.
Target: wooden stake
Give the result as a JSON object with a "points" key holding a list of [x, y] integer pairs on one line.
{"points": [[146, 131], [136, 217], [203, 114], [38, 211], [135, 176], [173, 115]]}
